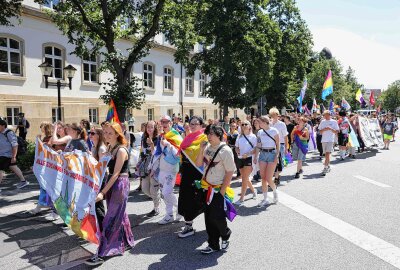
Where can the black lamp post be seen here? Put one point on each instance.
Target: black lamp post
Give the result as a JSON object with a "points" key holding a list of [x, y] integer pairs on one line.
{"points": [[47, 69]]}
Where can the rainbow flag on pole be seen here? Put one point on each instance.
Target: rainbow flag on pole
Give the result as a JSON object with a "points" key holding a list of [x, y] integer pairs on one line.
{"points": [[327, 88], [112, 115]]}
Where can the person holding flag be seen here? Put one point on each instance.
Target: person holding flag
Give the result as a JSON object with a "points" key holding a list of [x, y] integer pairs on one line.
{"points": [[327, 88], [166, 167]]}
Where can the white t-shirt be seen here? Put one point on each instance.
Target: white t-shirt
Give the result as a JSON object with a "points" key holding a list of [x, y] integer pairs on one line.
{"points": [[244, 145], [223, 162], [328, 135], [264, 140], [282, 129]]}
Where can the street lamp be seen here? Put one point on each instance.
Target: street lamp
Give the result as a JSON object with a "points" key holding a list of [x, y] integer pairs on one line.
{"points": [[46, 69]]}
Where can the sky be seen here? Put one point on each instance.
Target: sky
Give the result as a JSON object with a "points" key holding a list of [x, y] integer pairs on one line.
{"points": [[363, 34]]}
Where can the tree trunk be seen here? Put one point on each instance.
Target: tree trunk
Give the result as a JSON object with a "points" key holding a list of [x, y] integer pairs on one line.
{"points": [[225, 112]]}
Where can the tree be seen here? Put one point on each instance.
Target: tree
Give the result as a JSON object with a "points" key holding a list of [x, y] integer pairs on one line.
{"points": [[9, 9], [391, 97], [292, 53], [354, 85], [96, 26], [238, 48]]}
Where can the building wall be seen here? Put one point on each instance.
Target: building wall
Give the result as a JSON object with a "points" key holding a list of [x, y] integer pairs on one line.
{"points": [[28, 91]]}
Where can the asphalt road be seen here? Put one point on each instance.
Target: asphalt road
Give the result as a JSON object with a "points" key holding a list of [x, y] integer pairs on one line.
{"points": [[348, 219]]}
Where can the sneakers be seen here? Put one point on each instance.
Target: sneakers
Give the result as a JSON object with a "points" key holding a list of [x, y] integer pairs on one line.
{"points": [[353, 156], [301, 171], [297, 175], [186, 231], [37, 209], [22, 184], [95, 260], [153, 213], [238, 203], [207, 250], [263, 203], [167, 219], [277, 181], [326, 170], [52, 216], [275, 196], [254, 195], [224, 244]]}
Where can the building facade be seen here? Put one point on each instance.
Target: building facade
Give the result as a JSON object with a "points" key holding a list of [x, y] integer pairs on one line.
{"points": [[169, 90]]}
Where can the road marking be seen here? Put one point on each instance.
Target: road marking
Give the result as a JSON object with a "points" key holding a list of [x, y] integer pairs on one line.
{"points": [[374, 245], [371, 181]]}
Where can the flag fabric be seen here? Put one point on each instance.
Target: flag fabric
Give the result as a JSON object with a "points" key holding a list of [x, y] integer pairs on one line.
{"points": [[345, 105], [112, 115], [190, 147], [372, 99], [306, 110], [302, 94], [314, 106], [359, 98], [327, 88], [173, 137], [331, 106]]}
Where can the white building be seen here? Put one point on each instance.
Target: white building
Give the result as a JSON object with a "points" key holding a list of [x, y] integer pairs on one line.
{"points": [[36, 40]]}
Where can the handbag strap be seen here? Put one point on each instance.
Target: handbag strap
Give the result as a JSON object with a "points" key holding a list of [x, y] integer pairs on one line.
{"points": [[269, 136], [212, 160], [252, 146]]}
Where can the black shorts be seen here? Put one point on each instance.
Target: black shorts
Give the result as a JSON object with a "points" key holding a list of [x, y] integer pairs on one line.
{"points": [[5, 163], [343, 139], [245, 162]]}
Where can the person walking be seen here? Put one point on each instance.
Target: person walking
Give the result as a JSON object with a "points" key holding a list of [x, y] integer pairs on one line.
{"points": [[99, 149], [149, 184], [188, 207], [116, 236], [388, 131], [23, 126], [216, 180], [245, 149], [300, 136], [344, 132], [328, 129], [268, 146], [8, 154]]}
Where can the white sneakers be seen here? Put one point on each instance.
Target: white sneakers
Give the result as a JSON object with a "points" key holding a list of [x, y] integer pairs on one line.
{"points": [[263, 203], [169, 219], [52, 216]]}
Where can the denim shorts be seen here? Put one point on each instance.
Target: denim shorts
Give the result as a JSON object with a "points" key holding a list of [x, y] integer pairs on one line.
{"points": [[267, 156]]}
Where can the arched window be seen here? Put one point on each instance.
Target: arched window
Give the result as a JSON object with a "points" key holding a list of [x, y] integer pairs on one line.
{"points": [[54, 55], [10, 56]]}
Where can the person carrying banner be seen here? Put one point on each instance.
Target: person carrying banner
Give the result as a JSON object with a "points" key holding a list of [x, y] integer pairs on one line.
{"points": [[167, 167], [283, 139], [245, 148], [328, 128], [300, 135], [344, 131], [268, 151], [149, 184], [188, 206], [216, 181], [116, 236]]}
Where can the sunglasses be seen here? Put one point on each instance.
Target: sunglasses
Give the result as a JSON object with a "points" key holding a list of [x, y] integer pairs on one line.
{"points": [[92, 133], [244, 125], [164, 122]]}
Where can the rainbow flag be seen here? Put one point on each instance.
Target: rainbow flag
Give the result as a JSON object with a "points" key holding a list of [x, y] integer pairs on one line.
{"points": [[174, 138], [190, 147], [211, 189], [327, 88], [301, 144], [112, 115]]}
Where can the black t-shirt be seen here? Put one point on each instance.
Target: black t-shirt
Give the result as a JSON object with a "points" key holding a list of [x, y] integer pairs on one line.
{"points": [[290, 128], [77, 144]]}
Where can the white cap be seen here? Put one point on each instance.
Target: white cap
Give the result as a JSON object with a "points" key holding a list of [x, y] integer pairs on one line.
{"points": [[165, 117]]}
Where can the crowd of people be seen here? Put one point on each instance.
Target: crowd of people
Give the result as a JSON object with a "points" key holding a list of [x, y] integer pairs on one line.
{"points": [[204, 156]]}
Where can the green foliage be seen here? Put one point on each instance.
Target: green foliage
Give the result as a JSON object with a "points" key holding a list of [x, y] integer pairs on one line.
{"points": [[9, 9], [25, 161], [391, 97]]}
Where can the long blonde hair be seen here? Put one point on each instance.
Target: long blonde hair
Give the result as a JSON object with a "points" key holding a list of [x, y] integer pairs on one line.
{"points": [[118, 130], [248, 124]]}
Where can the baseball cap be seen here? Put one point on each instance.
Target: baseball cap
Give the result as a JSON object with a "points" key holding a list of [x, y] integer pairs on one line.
{"points": [[165, 117]]}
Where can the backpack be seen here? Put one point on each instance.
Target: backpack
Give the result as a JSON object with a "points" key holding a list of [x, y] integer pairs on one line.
{"points": [[28, 125], [132, 139], [22, 145]]}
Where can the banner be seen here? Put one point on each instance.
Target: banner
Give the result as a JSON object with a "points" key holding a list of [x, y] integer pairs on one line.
{"points": [[371, 133], [72, 180]]}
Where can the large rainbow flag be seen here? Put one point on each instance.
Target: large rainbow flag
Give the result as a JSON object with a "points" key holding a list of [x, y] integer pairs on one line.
{"points": [[112, 115], [327, 88], [190, 147], [175, 139]]}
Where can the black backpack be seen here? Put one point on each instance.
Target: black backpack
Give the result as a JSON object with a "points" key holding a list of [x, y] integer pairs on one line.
{"points": [[28, 125], [22, 145]]}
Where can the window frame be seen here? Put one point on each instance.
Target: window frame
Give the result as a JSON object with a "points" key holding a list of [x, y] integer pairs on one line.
{"points": [[170, 112], [187, 79], [204, 111], [215, 114], [9, 50], [150, 112], [51, 5], [91, 63], [54, 117], [145, 81], [170, 76], [92, 116], [191, 113], [14, 116], [202, 83], [55, 57]]}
